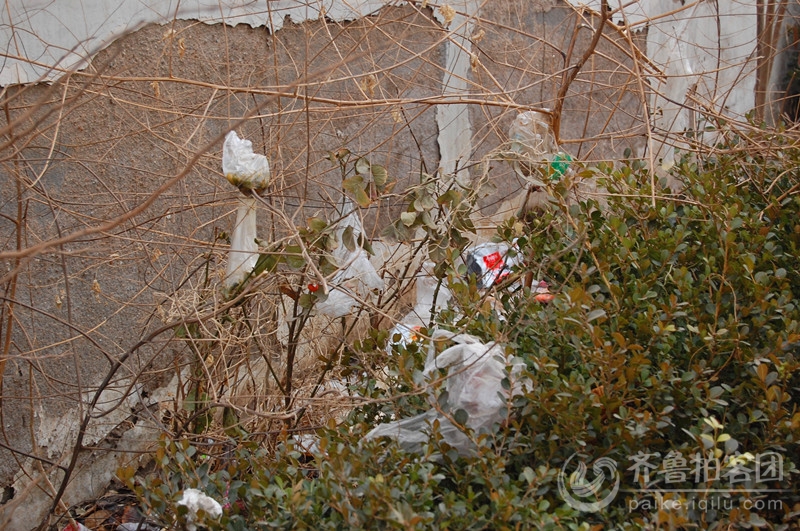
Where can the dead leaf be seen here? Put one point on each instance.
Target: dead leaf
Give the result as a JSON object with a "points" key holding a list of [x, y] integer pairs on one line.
{"points": [[368, 84], [448, 14]]}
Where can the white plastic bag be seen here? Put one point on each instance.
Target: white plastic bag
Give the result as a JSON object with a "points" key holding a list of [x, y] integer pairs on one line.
{"points": [[243, 253], [425, 306], [247, 171], [474, 383], [195, 500], [356, 277]]}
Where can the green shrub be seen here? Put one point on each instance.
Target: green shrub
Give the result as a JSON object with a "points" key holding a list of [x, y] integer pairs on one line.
{"points": [[675, 331]]}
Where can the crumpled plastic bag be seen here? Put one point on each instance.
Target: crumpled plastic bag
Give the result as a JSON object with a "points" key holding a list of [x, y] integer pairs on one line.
{"points": [[195, 500], [243, 253], [247, 171], [356, 277], [491, 262], [532, 138], [420, 316], [474, 384]]}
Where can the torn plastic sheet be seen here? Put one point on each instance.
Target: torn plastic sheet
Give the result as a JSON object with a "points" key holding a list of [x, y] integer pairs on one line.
{"points": [[474, 384], [243, 253], [356, 277]]}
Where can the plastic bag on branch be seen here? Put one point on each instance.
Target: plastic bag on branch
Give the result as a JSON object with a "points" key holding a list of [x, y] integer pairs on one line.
{"points": [[247, 171], [356, 277], [243, 253], [474, 386], [538, 155], [420, 316]]}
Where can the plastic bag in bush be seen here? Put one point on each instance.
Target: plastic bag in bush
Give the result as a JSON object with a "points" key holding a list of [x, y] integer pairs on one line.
{"points": [[491, 262], [420, 316], [474, 385], [356, 277], [247, 171], [195, 501]]}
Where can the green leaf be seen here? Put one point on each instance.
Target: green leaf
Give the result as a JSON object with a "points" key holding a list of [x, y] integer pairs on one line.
{"points": [[190, 402], [353, 183], [731, 445], [427, 220], [408, 218], [528, 474], [348, 239], [450, 197], [293, 254], [365, 244], [461, 416], [362, 166], [424, 202], [595, 314], [380, 176], [396, 232], [713, 422], [191, 330], [266, 262], [362, 198], [317, 224], [307, 300]]}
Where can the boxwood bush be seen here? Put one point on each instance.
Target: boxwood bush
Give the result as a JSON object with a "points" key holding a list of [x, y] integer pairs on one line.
{"points": [[669, 359]]}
